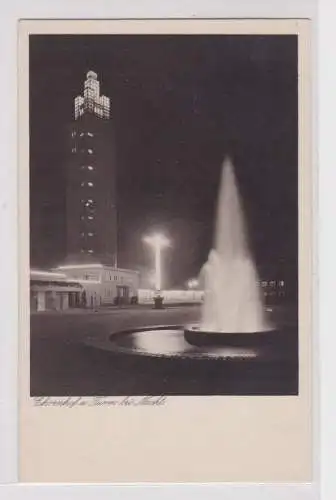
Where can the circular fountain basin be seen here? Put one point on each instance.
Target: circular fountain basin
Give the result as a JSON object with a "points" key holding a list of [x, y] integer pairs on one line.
{"points": [[170, 342], [202, 338], [159, 360]]}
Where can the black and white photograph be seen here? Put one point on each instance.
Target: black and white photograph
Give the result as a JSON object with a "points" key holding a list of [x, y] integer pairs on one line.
{"points": [[164, 215]]}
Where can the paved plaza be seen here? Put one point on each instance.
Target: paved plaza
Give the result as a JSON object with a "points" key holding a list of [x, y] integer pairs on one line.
{"points": [[63, 362]]}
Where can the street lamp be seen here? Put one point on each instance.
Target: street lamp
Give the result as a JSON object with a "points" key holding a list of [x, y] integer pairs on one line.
{"points": [[157, 241]]}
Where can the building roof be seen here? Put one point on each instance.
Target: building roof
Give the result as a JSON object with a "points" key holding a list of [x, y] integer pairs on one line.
{"points": [[46, 275], [86, 260], [42, 277]]}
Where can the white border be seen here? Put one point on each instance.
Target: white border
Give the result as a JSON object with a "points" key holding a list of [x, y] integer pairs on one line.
{"points": [[327, 244], [285, 423], [8, 204]]}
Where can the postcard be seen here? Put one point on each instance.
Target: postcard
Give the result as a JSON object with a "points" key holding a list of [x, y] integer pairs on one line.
{"points": [[166, 251]]}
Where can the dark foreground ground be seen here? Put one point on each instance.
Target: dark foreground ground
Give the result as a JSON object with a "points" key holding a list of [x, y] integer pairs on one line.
{"points": [[62, 364]]}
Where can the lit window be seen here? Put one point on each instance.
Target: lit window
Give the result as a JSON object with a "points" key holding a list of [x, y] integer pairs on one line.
{"points": [[73, 133], [81, 134], [90, 234], [272, 284], [90, 184], [281, 283], [73, 150], [264, 284], [90, 151], [90, 251], [90, 217], [89, 167], [87, 203], [90, 134]]}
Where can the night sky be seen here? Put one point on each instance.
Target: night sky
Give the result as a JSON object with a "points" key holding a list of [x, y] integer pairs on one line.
{"points": [[179, 104]]}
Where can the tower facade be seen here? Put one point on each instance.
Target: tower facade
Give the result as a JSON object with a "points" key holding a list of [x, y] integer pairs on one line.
{"points": [[91, 179]]}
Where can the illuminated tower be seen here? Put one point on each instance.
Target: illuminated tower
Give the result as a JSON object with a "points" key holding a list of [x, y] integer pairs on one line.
{"points": [[91, 192]]}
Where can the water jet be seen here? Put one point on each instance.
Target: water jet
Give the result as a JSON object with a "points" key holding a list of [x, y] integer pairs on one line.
{"points": [[233, 311]]}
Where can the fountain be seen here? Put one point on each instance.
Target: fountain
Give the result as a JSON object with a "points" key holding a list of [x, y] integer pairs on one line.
{"points": [[232, 301], [233, 349]]}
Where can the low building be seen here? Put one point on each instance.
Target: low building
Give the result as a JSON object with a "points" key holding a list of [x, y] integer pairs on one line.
{"points": [[53, 291], [82, 285], [274, 291], [103, 284]]}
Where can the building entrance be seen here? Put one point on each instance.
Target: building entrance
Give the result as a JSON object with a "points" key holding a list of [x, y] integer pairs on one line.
{"points": [[123, 294], [74, 299]]}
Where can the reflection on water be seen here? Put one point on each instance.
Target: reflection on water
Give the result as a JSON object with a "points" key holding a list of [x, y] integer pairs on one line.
{"points": [[172, 343]]}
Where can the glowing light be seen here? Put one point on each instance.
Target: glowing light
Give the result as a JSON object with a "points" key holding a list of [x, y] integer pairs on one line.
{"points": [[47, 274], [91, 101], [192, 283], [87, 282], [157, 241], [87, 203], [80, 266]]}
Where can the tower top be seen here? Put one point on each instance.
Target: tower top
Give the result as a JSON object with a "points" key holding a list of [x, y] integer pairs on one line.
{"points": [[91, 102], [92, 75]]}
